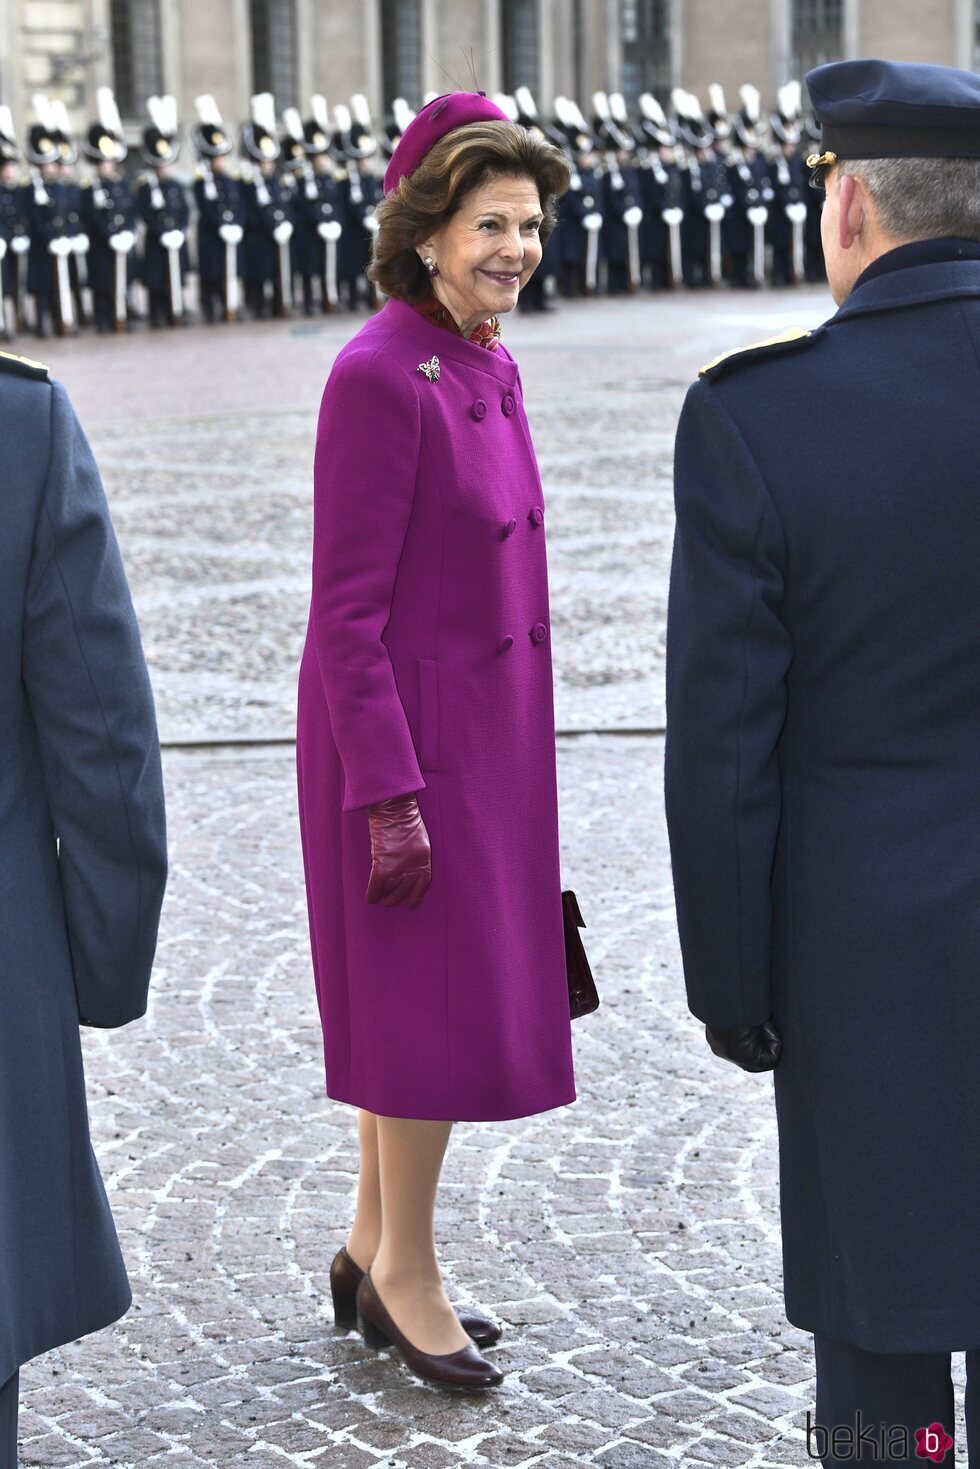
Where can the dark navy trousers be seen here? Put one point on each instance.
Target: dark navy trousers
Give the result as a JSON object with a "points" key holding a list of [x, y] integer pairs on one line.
{"points": [[8, 1422], [910, 1391]]}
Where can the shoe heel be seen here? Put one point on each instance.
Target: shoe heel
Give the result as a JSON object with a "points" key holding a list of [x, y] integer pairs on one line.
{"points": [[373, 1336], [344, 1310]]}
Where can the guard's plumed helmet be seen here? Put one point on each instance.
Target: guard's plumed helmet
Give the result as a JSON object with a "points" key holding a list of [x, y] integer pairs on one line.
{"points": [[653, 122], [574, 125], [528, 114], [316, 129], [42, 137], [292, 145], [749, 127], [161, 145], [390, 135], [607, 130], [209, 137], [718, 117], [689, 121], [9, 152], [105, 142], [785, 121], [353, 129], [62, 132], [259, 141]]}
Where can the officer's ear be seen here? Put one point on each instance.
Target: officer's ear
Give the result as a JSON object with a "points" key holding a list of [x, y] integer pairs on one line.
{"points": [[852, 211]]}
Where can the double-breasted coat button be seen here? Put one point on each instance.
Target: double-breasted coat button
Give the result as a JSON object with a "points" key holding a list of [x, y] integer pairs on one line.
{"points": [[510, 527], [536, 515], [479, 409], [507, 404], [506, 644], [539, 632]]}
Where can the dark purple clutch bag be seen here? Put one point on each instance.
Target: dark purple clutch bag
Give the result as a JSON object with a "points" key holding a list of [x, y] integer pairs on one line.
{"points": [[583, 997]]}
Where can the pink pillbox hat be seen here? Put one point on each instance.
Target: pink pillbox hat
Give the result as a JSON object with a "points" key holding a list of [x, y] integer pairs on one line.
{"points": [[439, 117]]}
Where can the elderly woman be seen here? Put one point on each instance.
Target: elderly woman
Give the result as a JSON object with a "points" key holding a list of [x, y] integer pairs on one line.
{"points": [[426, 748]]}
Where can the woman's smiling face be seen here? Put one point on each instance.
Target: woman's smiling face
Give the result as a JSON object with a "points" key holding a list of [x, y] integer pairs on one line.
{"points": [[487, 250]]}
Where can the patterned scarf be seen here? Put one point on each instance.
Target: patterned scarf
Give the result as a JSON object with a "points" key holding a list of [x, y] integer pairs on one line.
{"points": [[487, 333]]}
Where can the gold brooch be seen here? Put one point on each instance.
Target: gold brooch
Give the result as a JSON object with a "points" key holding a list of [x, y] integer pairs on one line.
{"points": [[431, 369]]}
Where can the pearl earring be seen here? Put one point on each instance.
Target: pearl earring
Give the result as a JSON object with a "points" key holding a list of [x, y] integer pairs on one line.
{"points": [[430, 265]]}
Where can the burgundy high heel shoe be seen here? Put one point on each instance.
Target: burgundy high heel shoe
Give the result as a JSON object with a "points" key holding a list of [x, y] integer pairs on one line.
{"points": [[346, 1275], [465, 1368]]}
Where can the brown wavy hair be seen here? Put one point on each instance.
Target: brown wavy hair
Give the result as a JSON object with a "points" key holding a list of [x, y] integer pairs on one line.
{"points": [[459, 162]]}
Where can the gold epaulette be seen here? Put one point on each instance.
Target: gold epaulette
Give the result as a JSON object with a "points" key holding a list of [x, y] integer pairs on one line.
{"points": [[793, 336], [23, 366]]}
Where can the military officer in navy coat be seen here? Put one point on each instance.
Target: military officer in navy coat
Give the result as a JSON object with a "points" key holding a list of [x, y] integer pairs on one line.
{"points": [[82, 868], [823, 754]]}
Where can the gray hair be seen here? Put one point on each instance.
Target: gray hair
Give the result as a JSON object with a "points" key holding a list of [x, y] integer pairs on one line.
{"points": [[923, 198]]}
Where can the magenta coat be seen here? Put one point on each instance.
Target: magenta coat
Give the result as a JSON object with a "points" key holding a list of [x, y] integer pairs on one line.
{"points": [[428, 668]]}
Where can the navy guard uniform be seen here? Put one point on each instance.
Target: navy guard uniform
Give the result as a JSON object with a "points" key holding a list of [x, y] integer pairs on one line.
{"points": [[165, 213], [82, 868], [787, 214], [660, 230], [14, 228], [53, 226], [621, 209], [580, 232], [752, 194], [221, 216], [109, 218], [704, 194], [537, 293], [354, 144], [317, 208], [268, 201], [823, 771]]}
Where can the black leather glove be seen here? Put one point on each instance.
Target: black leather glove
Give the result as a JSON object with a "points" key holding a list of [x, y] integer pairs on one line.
{"points": [[753, 1047], [401, 859]]}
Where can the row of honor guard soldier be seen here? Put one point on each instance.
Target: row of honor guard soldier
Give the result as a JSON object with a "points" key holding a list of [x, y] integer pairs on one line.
{"points": [[654, 201]]}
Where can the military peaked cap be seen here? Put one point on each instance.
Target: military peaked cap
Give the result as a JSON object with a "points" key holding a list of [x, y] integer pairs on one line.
{"points": [[895, 109]]}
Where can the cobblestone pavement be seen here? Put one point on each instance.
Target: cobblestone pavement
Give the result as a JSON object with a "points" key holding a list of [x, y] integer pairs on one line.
{"points": [[628, 1243]]}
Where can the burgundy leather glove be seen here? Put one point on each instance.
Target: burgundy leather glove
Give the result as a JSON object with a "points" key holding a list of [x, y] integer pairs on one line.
{"points": [[753, 1047], [401, 858]]}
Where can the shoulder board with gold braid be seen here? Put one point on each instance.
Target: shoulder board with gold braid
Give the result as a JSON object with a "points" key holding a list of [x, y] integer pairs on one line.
{"points": [[23, 366], [792, 338]]}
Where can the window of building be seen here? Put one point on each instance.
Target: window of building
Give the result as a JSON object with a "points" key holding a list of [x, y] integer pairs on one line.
{"points": [[818, 33], [137, 54], [519, 44], [401, 51], [274, 66], [646, 49]]}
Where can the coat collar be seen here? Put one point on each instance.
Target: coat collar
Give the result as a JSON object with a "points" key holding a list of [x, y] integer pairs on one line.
{"points": [[915, 285], [435, 341]]}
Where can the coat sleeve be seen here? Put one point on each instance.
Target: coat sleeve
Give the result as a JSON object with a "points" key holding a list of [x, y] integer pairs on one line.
{"points": [[367, 455], [89, 693], [728, 654]]}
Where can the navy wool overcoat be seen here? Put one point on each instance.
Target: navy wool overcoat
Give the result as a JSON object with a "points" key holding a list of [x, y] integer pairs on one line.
{"points": [[823, 780], [82, 861]]}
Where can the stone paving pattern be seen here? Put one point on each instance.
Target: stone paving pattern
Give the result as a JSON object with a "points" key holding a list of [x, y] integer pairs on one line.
{"points": [[629, 1243]]}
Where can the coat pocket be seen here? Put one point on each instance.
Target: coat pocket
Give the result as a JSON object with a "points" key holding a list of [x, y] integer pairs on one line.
{"points": [[428, 714]]}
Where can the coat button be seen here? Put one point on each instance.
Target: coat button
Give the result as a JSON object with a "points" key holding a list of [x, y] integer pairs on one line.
{"points": [[536, 515], [479, 409], [506, 644], [539, 632], [507, 404], [510, 527]]}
